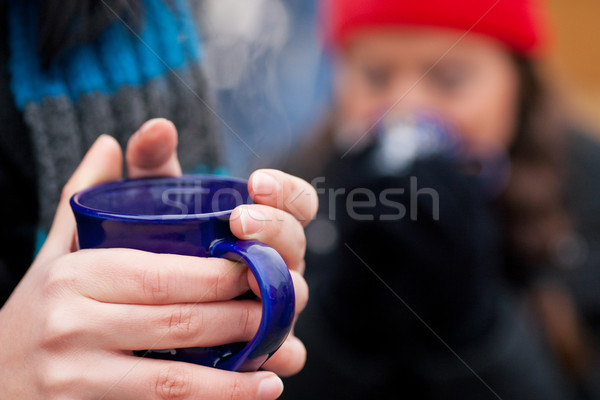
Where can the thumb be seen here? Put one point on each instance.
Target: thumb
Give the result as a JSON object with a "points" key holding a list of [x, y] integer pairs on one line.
{"points": [[102, 163]]}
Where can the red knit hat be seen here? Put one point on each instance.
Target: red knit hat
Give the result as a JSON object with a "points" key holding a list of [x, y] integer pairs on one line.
{"points": [[518, 23]]}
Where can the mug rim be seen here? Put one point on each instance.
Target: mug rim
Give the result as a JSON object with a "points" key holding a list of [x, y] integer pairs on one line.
{"points": [[80, 208]]}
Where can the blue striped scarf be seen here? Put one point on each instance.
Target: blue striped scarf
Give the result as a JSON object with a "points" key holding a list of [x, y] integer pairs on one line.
{"points": [[111, 85]]}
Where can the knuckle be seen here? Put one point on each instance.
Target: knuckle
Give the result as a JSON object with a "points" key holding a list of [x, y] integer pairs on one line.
{"points": [[58, 330], [155, 284], [237, 390], [216, 287], [278, 222], [295, 203], [249, 318], [296, 359], [303, 200], [245, 319], [67, 191], [55, 379], [219, 285], [300, 267], [296, 241], [174, 382], [59, 278], [289, 359], [229, 281], [289, 226], [185, 322]]}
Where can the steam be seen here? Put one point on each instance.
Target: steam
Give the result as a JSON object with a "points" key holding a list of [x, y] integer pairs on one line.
{"points": [[262, 66], [239, 32]]}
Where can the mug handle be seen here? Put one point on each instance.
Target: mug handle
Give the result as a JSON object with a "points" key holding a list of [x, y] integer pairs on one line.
{"points": [[278, 300]]}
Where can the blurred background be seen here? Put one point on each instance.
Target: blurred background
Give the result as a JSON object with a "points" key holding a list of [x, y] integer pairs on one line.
{"points": [[576, 58], [271, 83], [269, 79]]}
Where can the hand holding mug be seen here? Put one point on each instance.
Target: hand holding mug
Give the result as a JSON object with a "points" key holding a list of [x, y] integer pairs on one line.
{"points": [[70, 324], [190, 216]]}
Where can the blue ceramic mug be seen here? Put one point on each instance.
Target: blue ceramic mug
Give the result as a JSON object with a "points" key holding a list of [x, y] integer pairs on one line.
{"points": [[189, 216]]}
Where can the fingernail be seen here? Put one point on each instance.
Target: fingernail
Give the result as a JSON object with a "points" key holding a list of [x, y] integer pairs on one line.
{"points": [[149, 124], [264, 184], [101, 138], [252, 221], [270, 388], [146, 126]]}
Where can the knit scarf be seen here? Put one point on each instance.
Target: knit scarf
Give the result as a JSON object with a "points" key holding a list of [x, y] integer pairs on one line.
{"points": [[111, 85]]}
